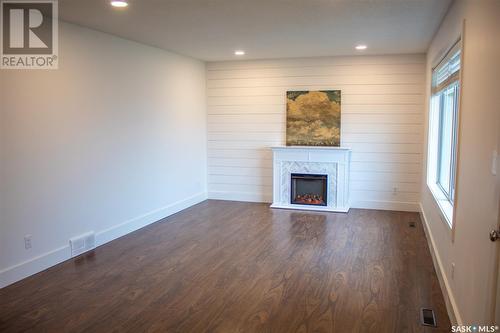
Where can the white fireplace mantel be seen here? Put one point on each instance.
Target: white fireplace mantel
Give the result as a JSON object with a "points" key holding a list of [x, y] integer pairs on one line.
{"points": [[331, 161]]}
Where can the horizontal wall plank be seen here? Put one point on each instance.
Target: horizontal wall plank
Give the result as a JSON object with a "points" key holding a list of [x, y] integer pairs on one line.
{"points": [[346, 128], [346, 109], [256, 196], [356, 147], [354, 89], [389, 138], [237, 179], [394, 187], [382, 121], [386, 167], [361, 195], [346, 118], [318, 61], [241, 188], [266, 153], [241, 145], [364, 99], [246, 127], [369, 147], [347, 137], [333, 82], [245, 109], [382, 128], [386, 157], [263, 153], [239, 162], [246, 136], [388, 177], [385, 196], [383, 118], [243, 171], [355, 166], [333, 70], [248, 118], [383, 108]]}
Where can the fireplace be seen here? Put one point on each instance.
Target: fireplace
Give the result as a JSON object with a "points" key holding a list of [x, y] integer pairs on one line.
{"points": [[308, 189], [331, 166]]}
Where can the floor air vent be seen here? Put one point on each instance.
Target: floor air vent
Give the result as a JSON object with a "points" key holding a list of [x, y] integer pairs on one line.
{"points": [[82, 243], [427, 317]]}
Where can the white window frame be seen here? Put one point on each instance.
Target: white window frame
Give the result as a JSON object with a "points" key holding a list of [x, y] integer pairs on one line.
{"points": [[444, 197]]}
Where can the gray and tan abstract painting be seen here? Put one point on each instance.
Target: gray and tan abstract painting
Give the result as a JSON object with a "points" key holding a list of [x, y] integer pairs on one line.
{"points": [[313, 118]]}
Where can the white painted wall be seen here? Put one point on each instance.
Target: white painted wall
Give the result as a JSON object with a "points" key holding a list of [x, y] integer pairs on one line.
{"points": [[113, 140], [471, 289], [382, 120]]}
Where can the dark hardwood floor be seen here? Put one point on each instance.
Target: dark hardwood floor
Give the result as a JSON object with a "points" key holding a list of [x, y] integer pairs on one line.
{"points": [[225, 266]]}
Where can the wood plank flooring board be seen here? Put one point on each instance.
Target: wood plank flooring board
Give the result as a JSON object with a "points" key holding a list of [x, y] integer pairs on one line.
{"points": [[224, 266]]}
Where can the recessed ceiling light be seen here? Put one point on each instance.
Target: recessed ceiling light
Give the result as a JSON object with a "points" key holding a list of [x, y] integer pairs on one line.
{"points": [[118, 3], [361, 47], [239, 52]]}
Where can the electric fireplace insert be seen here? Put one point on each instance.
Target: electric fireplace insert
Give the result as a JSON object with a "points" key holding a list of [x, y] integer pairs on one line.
{"points": [[309, 189]]}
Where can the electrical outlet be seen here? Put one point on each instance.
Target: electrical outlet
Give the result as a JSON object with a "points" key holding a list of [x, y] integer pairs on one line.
{"points": [[27, 242], [394, 190], [452, 270]]}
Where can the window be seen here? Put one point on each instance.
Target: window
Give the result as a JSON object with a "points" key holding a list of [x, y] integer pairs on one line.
{"points": [[443, 126]]}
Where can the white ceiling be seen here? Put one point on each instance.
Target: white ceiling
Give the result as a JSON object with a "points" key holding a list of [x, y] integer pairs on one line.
{"points": [[212, 29]]}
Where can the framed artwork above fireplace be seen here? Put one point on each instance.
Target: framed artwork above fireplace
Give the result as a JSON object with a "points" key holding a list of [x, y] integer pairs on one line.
{"points": [[313, 118]]}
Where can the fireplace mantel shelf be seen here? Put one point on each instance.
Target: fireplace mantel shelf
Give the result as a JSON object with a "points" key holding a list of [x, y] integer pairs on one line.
{"points": [[310, 147]]}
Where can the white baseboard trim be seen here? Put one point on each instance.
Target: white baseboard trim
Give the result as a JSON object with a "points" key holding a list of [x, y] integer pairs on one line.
{"points": [[117, 231], [386, 205], [240, 196], [32, 266], [449, 298], [37, 264]]}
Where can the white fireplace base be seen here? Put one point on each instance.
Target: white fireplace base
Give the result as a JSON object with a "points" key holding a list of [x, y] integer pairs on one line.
{"points": [[331, 161], [310, 207]]}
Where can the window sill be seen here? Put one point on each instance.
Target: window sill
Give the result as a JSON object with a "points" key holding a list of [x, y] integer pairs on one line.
{"points": [[445, 207]]}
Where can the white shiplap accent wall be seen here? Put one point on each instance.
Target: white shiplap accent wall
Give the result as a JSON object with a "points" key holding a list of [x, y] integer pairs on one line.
{"points": [[382, 121]]}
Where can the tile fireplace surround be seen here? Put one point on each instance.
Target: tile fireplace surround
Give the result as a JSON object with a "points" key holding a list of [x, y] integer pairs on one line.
{"points": [[331, 161]]}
